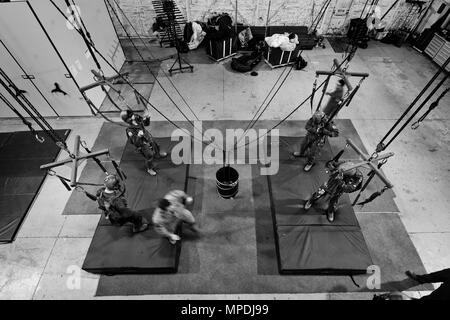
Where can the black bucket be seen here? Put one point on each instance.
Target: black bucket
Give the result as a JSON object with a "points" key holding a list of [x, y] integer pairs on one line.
{"points": [[227, 181]]}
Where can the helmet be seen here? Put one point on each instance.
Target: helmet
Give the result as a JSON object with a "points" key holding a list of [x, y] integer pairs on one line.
{"points": [[318, 116], [347, 168], [163, 204], [112, 182], [126, 115]]}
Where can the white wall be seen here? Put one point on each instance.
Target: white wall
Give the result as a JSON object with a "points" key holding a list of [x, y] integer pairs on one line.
{"points": [[29, 44], [254, 12]]}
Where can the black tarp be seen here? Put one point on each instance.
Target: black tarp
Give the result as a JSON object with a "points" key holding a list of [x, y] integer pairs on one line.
{"points": [[116, 250], [21, 155]]}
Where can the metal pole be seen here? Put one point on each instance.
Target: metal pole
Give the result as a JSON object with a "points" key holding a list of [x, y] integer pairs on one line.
{"points": [[76, 151], [267, 19], [374, 168], [236, 18]]}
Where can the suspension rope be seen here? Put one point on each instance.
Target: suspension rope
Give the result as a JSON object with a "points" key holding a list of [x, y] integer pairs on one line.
{"points": [[90, 43], [28, 107], [25, 121], [371, 175], [255, 118], [143, 60], [293, 111], [151, 55], [433, 105], [31, 80], [123, 78], [380, 145], [148, 67], [155, 76]]}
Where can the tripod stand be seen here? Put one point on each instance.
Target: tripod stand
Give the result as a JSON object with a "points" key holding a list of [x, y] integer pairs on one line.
{"points": [[169, 10]]}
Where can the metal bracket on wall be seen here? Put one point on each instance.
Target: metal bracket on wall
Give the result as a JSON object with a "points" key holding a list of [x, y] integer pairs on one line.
{"points": [[68, 75], [28, 76]]}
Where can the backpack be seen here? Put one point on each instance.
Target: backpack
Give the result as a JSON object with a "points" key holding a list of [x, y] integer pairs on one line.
{"points": [[300, 63]]}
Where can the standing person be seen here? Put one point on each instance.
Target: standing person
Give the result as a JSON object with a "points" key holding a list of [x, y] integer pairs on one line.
{"points": [[171, 212], [343, 179], [111, 200], [332, 107], [441, 293], [141, 139], [318, 129]]}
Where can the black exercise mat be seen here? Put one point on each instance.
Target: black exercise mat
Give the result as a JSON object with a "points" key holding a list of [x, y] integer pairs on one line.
{"points": [[339, 44], [13, 209], [327, 249], [306, 242], [21, 155], [297, 186], [236, 254], [288, 145], [116, 250]]}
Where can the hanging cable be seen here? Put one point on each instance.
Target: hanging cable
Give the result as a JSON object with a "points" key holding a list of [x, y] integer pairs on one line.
{"points": [[91, 45], [255, 119], [122, 77], [31, 80], [380, 145], [149, 69], [151, 55], [25, 121], [292, 112], [28, 107], [433, 105], [371, 175], [155, 76]]}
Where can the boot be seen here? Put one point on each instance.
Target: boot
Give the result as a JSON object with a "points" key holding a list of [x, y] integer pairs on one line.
{"points": [[415, 277], [162, 154], [174, 238], [307, 205], [308, 166], [330, 215], [142, 228]]}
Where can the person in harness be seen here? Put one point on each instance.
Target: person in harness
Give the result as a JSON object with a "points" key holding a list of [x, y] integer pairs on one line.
{"points": [[171, 212], [141, 139], [344, 178], [111, 200], [318, 129]]}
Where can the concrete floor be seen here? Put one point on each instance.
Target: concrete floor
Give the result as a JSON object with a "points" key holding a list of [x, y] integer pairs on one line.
{"points": [[51, 247]]}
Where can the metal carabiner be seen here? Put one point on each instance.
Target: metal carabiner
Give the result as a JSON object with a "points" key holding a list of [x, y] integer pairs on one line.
{"points": [[79, 189], [374, 156], [39, 138], [415, 125], [51, 172]]}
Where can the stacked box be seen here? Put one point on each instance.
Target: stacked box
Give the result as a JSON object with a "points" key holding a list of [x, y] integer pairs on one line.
{"points": [[222, 48], [275, 57]]}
